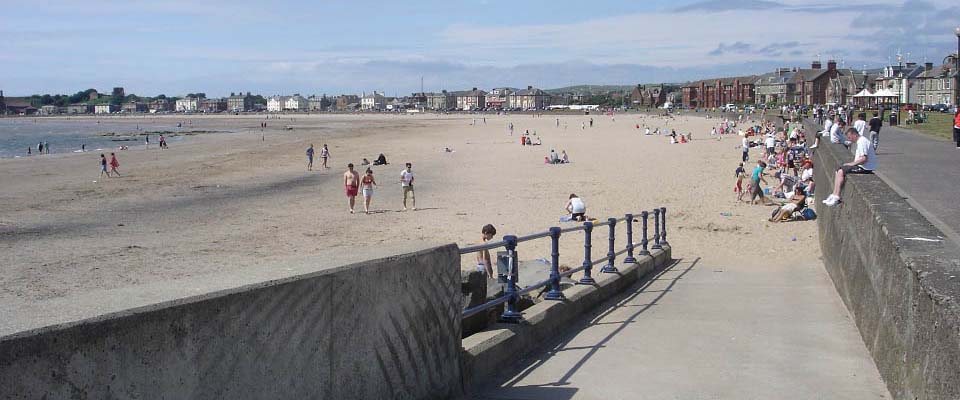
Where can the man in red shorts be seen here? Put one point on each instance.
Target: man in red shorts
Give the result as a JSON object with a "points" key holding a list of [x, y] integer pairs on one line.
{"points": [[351, 182]]}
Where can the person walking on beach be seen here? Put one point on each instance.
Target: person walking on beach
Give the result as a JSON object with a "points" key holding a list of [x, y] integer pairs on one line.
{"points": [[366, 186], [351, 181], [163, 142], [46, 147], [310, 158], [40, 148], [324, 155], [114, 164], [103, 166], [406, 184]]}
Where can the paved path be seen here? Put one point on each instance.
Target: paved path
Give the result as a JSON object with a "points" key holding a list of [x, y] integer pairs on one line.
{"points": [[926, 171], [705, 331]]}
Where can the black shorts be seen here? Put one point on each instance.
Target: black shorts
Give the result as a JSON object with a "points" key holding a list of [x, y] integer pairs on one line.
{"points": [[856, 169], [577, 216]]}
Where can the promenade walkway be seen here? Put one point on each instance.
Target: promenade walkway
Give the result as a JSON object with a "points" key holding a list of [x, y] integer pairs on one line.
{"points": [[699, 330], [923, 169]]}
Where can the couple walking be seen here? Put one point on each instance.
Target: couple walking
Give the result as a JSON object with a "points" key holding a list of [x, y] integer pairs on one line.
{"points": [[354, 183]]}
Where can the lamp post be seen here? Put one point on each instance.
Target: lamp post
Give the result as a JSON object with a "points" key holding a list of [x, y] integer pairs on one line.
{"points": [[956, 71]]}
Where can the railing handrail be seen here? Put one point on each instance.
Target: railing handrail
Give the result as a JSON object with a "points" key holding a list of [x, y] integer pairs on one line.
{"points": [[532, 236], [510, 242]]}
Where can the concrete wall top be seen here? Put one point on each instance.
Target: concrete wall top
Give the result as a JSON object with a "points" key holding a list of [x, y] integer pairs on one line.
{"points": [[386, 328], [897, 274]]}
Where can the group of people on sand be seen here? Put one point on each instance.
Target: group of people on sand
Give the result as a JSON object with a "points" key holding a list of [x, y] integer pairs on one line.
{"points": [[113, 163], [785, 156], [355, 184], [554, 158], [324, 156]]}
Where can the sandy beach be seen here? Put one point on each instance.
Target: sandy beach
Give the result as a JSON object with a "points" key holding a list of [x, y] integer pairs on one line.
{"points": [[227, 209]]}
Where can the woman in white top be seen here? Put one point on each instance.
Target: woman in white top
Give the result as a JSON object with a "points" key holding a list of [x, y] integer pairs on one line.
{"points": [[576, 208]]}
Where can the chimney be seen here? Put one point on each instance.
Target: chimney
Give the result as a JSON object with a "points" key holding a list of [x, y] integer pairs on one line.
{"points": [[831, 65], [926, 67], [815, 65], [474, 89], [529, 87]]}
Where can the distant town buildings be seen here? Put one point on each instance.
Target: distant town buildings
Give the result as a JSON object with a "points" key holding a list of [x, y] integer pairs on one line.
{"points": [[240, 102], [373, 102], [470, 100], [529, 99], [189, 104]]}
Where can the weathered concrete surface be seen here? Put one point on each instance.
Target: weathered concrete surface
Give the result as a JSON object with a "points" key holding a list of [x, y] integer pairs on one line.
{"points": [[919, 167], [702, 330], [490, 351], [898, 275], [387, 328]]}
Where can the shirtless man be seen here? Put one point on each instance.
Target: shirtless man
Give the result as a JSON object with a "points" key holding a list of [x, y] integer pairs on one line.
{"points": [[351, 182]]}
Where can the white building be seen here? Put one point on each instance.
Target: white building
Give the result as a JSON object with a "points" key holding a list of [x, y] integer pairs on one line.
{"points": [[374, 101], [296, 103], [277, 103], [105, 108], [189, 104]]}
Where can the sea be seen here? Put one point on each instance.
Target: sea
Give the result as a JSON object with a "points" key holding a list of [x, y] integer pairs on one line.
{"points": [[69, 135]]}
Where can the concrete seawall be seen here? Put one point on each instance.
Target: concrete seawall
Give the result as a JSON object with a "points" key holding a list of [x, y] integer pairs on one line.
{"points": [[383, 329], [899, 277]]}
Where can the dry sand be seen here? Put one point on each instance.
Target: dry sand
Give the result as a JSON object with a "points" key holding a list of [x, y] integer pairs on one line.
{"points": [[228, 209]]}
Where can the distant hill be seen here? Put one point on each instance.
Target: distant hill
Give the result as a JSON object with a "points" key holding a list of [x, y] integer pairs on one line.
{"points": [[591, 89]]}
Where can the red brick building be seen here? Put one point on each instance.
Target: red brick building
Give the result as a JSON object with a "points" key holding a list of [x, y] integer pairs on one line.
{"points": [[718, 92]]}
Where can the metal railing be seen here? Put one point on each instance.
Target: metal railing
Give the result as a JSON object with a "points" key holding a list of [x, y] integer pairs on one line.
{"points": [[512, 292]]}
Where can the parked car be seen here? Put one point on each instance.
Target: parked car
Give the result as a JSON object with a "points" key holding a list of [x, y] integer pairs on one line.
{"points": [[938, 107]]}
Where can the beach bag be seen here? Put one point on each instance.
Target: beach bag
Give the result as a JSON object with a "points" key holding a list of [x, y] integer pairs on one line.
{"points": [[809, 214]]}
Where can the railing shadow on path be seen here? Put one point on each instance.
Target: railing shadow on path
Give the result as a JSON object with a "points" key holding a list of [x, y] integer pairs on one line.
{"points": [[529, 365]]}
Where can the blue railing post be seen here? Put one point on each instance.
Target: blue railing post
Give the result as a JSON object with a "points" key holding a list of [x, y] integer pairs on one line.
{"points": [[555, 293], [663, 226], [611, 252], [629, 259], [643, 241], [510, 313], [656, 230], [587, 262]]}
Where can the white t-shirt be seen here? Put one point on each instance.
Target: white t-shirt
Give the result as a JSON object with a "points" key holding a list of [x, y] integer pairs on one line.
{"points": [[746, 144], [865, 147], [860, 126], [406, 178], [771, 141], [835, 135], [806, 175], [576, 204], [827, 125]]}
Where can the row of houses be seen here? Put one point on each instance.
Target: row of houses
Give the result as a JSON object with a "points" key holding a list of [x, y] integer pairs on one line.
{"points": [[910, 82]]}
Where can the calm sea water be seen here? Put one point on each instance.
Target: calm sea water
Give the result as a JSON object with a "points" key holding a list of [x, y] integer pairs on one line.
{"points": [[68, 135]]}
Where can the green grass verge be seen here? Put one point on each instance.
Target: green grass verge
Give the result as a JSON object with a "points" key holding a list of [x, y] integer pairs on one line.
{"points": [[938, 125]]}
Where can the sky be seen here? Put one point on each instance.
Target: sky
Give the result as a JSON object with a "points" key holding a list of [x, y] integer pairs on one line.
{"points": [[330, 47]]}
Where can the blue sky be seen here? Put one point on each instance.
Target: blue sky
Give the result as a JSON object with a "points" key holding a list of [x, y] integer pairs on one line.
{"points": [[315, 47]]}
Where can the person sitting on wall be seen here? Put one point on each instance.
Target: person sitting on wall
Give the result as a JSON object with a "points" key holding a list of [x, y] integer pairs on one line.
{"points": [[864, 162]]}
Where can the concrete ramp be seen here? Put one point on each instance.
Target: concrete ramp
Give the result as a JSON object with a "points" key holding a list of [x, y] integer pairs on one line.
{"points": [[699, 330]]}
